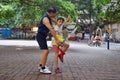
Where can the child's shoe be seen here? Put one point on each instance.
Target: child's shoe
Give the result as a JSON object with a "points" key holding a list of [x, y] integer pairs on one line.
{"points": [[57, 70]]}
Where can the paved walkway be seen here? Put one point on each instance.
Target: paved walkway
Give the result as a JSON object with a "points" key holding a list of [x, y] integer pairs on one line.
{"points": [[81, 63], [20, 43], [113, 46]]}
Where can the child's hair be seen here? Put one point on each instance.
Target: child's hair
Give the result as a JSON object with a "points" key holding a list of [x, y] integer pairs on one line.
{"points": [[61, 18]]}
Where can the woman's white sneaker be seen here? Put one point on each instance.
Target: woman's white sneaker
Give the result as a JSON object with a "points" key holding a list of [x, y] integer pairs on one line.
{"points": [[45, 71]]}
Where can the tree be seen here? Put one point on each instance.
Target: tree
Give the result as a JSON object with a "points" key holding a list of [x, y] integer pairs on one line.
{"points": [[108, 10], [6, 14], [113, 12], [28, 12]]}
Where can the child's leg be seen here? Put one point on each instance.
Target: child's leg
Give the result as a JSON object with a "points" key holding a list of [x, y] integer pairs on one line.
{"points": [[62, 51], [65, 47], [56, 51]]}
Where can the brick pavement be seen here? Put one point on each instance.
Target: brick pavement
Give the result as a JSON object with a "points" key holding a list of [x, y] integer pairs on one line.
{"points": [[81, 63]]}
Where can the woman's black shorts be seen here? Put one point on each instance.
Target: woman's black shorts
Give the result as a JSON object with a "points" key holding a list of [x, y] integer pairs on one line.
{"points": [[41, 39]]}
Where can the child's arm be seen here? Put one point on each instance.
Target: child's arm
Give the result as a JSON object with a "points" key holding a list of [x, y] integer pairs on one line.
{"points": [[67, 19]]}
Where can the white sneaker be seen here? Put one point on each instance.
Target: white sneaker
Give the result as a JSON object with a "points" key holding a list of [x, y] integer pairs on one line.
{"points": [[46, 67], [45, 71]]}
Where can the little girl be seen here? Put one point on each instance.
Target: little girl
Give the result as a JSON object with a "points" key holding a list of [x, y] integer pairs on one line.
{"points": [[58, 28]]}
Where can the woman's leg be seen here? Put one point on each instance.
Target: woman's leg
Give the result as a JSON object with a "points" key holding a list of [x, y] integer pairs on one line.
{"points": [[43, 57], [41, 39]]}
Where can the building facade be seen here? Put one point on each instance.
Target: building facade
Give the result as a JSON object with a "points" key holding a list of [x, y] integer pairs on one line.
{"points": [[115, 28]]}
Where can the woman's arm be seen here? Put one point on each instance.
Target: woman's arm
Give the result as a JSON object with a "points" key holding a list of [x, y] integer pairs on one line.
{"points": [[49, 26]]}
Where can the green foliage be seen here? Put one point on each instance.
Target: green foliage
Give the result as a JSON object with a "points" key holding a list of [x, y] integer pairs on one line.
{"points": [[6, 14], [24, 13], [100, 3], [115, 14], [78, 28], [108, 14], [98, 6]]}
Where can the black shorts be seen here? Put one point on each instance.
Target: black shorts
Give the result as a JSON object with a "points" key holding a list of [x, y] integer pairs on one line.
{"points": [[41, 39]]}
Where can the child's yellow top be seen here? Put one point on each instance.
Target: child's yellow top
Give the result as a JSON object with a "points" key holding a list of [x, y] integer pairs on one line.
{"points": [[59, 37]]}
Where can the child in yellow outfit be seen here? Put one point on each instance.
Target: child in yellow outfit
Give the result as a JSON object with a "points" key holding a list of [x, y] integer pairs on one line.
{"points": [[57, 47]]}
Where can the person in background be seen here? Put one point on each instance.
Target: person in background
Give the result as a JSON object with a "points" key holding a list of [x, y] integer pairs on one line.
{"points": [[97, 40]]}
